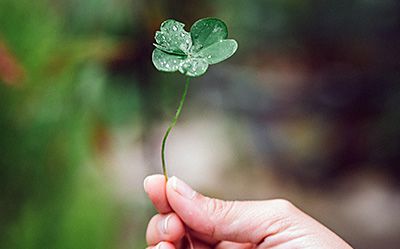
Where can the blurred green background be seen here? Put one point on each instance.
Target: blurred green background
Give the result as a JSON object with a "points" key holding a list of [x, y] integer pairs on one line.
{"points": [[307, 109]]}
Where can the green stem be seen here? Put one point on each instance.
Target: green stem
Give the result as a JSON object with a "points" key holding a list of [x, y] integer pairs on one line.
{"points": [[173, 123]]}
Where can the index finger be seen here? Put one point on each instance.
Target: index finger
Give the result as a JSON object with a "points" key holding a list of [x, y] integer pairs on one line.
{"points": [[155, 187]]}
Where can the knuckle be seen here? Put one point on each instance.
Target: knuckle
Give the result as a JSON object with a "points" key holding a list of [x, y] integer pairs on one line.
{"points": [[285, 206], [220, 210], [283, 203], [221, 214]]}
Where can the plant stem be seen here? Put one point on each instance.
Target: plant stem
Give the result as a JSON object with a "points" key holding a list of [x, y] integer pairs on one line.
{"points": [[173, 123]]}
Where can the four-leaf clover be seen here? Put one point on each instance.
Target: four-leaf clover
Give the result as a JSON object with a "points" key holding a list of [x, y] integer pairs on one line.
{"points": [[192, 53]]}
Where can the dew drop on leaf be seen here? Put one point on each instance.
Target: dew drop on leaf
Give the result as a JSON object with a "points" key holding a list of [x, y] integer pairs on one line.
{"points": [[172, 38], [194, 67], [192, 53], [219, 51], [166, 62], [206, 32]]}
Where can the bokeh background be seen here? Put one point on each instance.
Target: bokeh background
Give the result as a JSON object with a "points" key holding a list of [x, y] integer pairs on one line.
{"points": [[307, 109]]}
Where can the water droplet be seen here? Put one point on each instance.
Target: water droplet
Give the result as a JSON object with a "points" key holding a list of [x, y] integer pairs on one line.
{"points": [[173, 38]]}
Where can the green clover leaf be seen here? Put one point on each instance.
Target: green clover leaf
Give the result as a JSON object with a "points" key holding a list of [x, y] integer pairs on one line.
{"points": [[173, 38], [192, 53]]}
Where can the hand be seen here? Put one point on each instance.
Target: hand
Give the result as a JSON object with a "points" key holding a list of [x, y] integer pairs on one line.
{"points": [[214, 223]]}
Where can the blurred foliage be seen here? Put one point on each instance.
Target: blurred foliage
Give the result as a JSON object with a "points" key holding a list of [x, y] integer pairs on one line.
{"points": [[317, 81], [52, 195]]}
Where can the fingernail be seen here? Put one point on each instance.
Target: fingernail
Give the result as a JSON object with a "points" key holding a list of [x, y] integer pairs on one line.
{"points": [[182, 188], [160, 245], [163, 224], [146, 180]]}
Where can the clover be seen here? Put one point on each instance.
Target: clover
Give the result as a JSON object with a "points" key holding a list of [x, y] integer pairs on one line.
{"points": [[191, 54]]}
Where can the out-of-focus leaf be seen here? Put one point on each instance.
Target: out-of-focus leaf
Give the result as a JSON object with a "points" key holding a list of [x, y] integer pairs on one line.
{"points": [[11, 71]]}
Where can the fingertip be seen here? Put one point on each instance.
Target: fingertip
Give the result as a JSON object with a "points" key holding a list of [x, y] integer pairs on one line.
{"points": [[151, 180], [154, 186]]}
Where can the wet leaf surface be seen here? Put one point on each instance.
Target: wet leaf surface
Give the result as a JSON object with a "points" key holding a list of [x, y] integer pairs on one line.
{"points": [[166, 62], [172, 37], [194, 67], [206, 32], [192, 53], [219, 51]]}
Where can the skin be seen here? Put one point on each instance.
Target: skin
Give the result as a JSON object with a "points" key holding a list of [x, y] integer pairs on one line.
{"points": [[213, 223]]}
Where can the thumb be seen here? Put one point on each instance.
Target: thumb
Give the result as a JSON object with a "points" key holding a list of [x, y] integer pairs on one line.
{"points": [[237, 221]]}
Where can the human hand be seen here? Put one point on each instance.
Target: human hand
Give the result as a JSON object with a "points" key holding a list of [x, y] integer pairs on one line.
{"points": [[214, 223]]}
